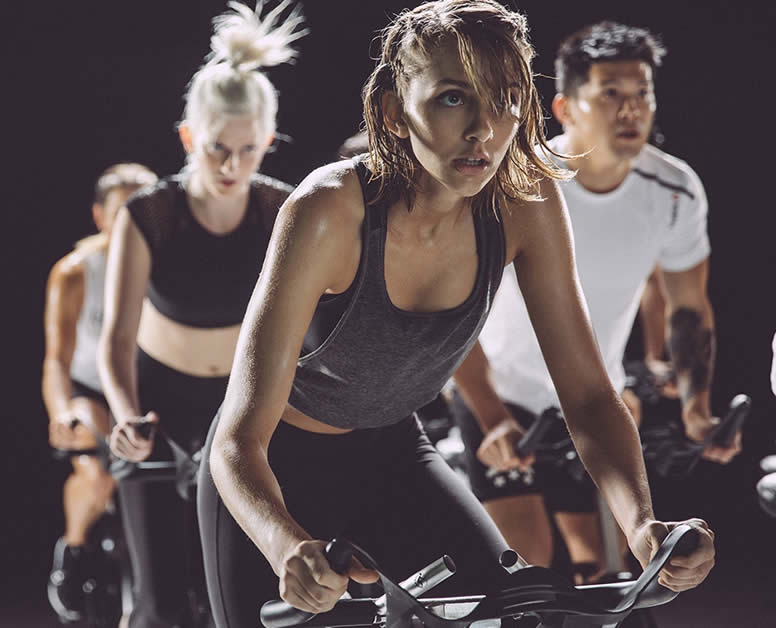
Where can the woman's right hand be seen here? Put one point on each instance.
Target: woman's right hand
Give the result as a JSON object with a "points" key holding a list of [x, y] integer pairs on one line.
{"points": [[497, 449], [308, 582], [127, 440]]}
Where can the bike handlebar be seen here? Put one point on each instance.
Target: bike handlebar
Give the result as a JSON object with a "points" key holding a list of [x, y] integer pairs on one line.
{"points": [[534, 590]]}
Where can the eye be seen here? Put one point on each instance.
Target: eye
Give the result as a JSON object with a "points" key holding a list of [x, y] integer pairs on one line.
{"points": [[249, 149], [452, 98], [610, 92]]}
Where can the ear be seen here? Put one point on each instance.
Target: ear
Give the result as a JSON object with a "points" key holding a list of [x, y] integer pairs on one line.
{"points": [[184, 133], [270, 139], [393, 115], [98, 215], [561, 109]]}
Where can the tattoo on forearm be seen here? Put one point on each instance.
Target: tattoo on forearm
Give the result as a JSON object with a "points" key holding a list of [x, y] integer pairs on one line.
{"points": [[692, 351]]}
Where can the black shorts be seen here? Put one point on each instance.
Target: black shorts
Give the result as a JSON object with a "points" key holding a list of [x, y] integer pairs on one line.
{"points": [[562, 493], [77, 389]]}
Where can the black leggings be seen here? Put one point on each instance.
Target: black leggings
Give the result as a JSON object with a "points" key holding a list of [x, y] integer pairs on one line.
{"points": [[385, 489], [160, 527]]}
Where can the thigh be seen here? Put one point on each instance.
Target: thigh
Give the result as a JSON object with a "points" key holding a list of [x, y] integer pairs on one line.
{"points": [[422, 511], [155, 522]]}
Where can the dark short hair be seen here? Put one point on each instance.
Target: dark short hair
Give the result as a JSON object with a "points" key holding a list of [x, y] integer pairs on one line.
{"points": [[601, 42], [127, 175]]}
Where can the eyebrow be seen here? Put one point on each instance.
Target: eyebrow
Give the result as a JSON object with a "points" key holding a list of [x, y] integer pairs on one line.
{"points": [[620, 79], [457, 83]]}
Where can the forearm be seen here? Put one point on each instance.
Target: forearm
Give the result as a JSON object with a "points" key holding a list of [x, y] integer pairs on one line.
{"points": [[55, 387], [608, 444], [692, 345], [652, 315], [252, 495], [117, 367], [475, 387]]}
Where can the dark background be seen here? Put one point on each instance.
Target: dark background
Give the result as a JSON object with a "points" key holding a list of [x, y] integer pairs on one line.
{"points": [[86, 84]]}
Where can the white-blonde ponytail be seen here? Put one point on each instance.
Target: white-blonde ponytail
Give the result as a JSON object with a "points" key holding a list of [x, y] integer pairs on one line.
{"points": [[247, 42], [230, 82]]}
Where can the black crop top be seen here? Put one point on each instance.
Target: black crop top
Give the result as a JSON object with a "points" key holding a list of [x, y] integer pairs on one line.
{"points": [[199, 278]]}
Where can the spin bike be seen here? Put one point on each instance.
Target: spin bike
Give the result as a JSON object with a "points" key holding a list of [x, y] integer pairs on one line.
{"points": [[108, 591]]}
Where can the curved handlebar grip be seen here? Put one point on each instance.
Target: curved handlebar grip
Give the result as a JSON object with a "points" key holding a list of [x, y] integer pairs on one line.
{"points": [[145, 429], [731, 424], [683, 540], [339, 553], [279, 614], [535, 434]]}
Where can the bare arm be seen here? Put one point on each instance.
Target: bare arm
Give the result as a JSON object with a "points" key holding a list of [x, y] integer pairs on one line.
{"points": [[501, 430], [692, 346], [652, 315], [602, 429], [126, 278], [319, 222], [64, 300]]}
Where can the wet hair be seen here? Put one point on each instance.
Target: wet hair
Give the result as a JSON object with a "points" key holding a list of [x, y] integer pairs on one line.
{"points": [[492, 42], [601, 42], [126, 175], [230, 82]]}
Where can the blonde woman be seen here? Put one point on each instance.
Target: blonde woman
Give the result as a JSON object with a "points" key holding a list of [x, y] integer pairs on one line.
{"points": [[378, 279], [184, 259]]}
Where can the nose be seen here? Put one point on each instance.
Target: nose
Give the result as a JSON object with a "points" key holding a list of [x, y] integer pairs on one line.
{"points": [[630, 109], [231, 163], [481, 127]]}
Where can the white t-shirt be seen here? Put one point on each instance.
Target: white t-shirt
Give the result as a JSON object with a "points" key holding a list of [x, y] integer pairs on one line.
{"points": [[656, 216]]}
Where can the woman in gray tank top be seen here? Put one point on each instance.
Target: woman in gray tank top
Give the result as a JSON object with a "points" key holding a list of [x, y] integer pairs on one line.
{"points": [[379, 276], [71, 386]]}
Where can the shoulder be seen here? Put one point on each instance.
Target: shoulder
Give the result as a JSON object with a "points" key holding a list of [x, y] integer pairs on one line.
{"points": [[155, 211], [329, 199], [69, 273], [267, 196], [668, 172], [532, 221]]}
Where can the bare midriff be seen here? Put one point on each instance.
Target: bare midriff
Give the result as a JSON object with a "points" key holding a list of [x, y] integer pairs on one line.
{"points": [[292, 416], [202, 352]]}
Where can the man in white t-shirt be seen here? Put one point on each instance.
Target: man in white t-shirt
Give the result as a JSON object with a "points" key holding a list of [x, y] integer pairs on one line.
{"points": [[632, 208]]}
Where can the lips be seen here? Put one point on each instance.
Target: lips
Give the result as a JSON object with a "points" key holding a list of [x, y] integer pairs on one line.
{"points": [[629, 134]]}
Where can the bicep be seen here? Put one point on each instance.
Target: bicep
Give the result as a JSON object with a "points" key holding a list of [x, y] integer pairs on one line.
{"points": [[126, 279], [64, 300], [547, 275]]}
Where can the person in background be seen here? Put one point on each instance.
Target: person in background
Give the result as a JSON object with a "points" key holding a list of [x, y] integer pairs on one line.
{"points": [[72, 392], [632, 207], [185, 256]]}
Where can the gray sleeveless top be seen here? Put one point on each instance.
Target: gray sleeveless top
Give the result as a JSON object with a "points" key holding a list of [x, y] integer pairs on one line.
{"points": [[83, 367], [375, 364]]}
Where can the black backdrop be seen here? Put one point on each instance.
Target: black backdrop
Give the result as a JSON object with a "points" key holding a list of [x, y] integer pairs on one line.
{"points": [[90, 83]]}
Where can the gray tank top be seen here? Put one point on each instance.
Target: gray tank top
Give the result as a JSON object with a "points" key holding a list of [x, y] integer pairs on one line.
{"points": [[83, 367], [375, 364]]}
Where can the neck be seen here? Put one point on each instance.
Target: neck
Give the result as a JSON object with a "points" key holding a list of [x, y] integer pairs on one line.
{"points": [[434, 211], [217, 212], [597, 171]]}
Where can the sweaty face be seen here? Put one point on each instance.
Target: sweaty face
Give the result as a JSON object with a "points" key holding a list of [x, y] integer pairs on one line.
{"points": [[226, 158], [614, 110], [454, 134]]}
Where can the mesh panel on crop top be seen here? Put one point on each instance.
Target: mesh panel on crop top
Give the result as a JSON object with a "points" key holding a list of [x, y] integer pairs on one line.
{"points": [[199, 278]]}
